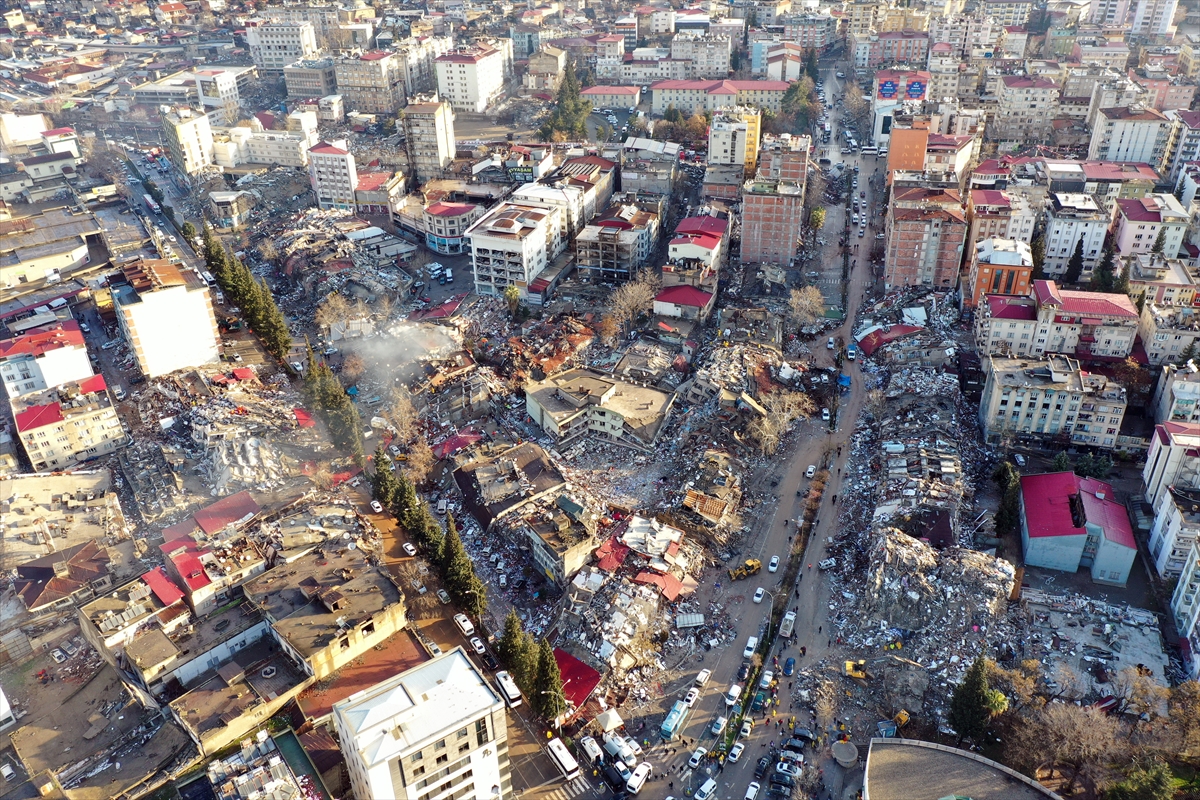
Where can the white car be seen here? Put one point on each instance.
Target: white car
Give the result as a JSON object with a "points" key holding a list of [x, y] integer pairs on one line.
{"points": [[731, 697], [784, 768], [735, 752], [692, 696], [635, 782], [718, 726], [409, 549], [825, 414], [464, 624], [767, 676], [774, 565], [812, 470], [376, 507], [697, 757], [58, 655], [759, 593], [477, 645]]}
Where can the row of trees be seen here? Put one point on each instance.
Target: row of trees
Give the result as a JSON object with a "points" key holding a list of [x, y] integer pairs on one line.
{"points": [[251, 295], [1125, 755], [327, 397], [533, 667], [1087, 465], [676, 127], [398, 495]]}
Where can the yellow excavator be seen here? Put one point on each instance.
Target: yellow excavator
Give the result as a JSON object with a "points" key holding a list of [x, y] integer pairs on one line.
{"points": [[751, 567]]}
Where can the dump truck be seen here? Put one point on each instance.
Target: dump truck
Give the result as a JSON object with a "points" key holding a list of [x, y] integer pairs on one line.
{"points": [[751, 567]]}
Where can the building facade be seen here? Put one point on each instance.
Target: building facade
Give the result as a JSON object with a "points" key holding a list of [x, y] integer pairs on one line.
{"points": [[332, 173]]}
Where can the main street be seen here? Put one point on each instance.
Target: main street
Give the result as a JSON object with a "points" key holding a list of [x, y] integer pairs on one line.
{"points": [[815, 443]]}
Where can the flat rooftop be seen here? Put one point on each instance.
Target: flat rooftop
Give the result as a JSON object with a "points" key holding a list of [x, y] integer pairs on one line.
{"points": [[400, 653], [903, 769], [31, 504]]}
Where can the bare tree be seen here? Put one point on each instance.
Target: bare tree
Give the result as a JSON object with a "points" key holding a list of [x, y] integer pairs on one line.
{"points": [[420, 461], [877, 403], [353, 367], [825, 706], [267, 250], [1019, 683], [1066, 736], [1138, 691], [634, 298], [401, 414], [334, 310], [1182, 732], [783, 408], [806, 305], [608, 329]]}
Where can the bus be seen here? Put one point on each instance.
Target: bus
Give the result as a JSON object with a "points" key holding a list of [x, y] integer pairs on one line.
{"points": [[150, 204], [870, 150], [563, 759], [673, 724]]}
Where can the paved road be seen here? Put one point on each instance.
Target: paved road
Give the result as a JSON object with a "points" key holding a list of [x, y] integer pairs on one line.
{"points": [[814, 443]]}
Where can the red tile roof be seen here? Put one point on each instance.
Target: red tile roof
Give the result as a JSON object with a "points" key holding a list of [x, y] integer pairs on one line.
{"points": [[58, 132], [1006, 306], [989, 197], [1102, 510], [684, 296], [325, 148], [579, 680], [372, 181], [723, 87], [40, 341], [876, 339], [1140, 209], [603, 90], [1027, 82], [36, 417], [704, 224], [444, 209], [162, 586], [235, 508], [1096, 303], [1046, 498], [705, 240]]}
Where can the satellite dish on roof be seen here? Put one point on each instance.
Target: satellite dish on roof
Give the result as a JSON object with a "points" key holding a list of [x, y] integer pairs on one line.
{"points": [[353, 545], [346, 534]]}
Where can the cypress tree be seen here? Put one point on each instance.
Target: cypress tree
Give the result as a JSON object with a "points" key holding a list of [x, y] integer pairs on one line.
{"points": [[1075, 265], [384, 485], [548, 688], [970, 707], [1061, 463]]}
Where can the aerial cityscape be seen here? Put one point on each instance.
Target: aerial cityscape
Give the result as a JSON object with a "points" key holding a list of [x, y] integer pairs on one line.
{"points": [[697, 400]]}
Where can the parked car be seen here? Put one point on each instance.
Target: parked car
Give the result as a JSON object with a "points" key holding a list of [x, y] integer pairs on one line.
{"points": [[477, 645], [464, 624], [410, 550], [376, 507], [735, 752], [692, 696], [759, 593], [773, 566], [718, 726]]}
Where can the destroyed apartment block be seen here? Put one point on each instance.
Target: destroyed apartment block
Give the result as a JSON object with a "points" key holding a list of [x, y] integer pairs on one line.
{"points": [[752, 326], [494, 485], [581, 403], [154, 477], [561, 536], [650, 363], [256, 770], [713, 493], [100, 743], [546, 348], [114, 619], [919, 474], [64, 578], [614, 619], [44, 514]]}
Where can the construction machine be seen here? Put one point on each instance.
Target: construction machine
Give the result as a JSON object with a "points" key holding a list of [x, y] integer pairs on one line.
{"points": [[856, 670], [751, 567]]}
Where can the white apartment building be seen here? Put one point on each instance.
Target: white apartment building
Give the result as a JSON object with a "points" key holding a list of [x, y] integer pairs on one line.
{"points": [[708, 55], [1173, 535], [576, 206], [438, 729], [1054, 320], [165, 314], [1173, 459], [417, 56], [511, 245], [372, 83], [218, 88], [1142, 19], [1027, 107], [1070, 217], [1140, 220], [189, 138], [728, 140], [471, 79], [1050, 398], [698, 96], [1185, 609], [1131, 134], [274, 45], [1185, 141], [66, 424], [315, 77], [1177, 394], [610, 55], [1168, 332], [233, 147], [429, 138], [333, 175], [43, 357]]}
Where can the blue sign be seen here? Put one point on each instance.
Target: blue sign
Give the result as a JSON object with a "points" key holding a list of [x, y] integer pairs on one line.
{"points": [[915, 90], [887, 90]]}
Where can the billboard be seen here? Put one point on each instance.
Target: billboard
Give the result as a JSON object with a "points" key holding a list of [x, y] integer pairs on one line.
{"points": [[888, 90], [915, 90]]}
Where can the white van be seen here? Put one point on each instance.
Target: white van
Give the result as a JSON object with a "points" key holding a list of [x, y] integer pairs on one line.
{"points": [[509, 688], [638, 779], [752, 790], [707, 791], [751, 646], [592, 750], [703, 676]]}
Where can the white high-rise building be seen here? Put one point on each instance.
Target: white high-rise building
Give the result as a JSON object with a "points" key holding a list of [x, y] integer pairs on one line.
{"points": [[333, 174], [165, 314], [274, 45], [1140, 18], [437, 730], [471, 79], [189, 139]]}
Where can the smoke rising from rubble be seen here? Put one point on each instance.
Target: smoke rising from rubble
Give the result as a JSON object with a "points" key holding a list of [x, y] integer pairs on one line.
{"points": [[404, 344]]}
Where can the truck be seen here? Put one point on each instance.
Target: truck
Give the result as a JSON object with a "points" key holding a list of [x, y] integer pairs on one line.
{"points": [[752, 566], [852, 352], [789, 622], [150, 204]]}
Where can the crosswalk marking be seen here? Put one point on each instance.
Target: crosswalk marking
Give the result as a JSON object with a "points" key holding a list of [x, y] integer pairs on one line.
{"points": [[572, 789]]}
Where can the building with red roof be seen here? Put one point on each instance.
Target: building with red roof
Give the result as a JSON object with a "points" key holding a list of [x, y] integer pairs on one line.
{"points": [[379, 193], [1068, 522], [43, 357], [685, 302], [64, 425], [446, 223], [926, 234], [117, 616], [1141, 220], [698, 96], [208, 573]]}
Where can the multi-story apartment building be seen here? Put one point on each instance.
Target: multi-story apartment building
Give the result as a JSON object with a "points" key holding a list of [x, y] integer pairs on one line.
{"points": [[610, 54], [926, 233], [772, 220], [446, 223], [332, 172], [1141, 19], [1156, 279], [707, 55], [1050, 399], [1169, 332], [471, 79], [1185, 610], [313, 77], [1185, 142], [220, 88], [1007, 12], [1131, 134], [511, 245], [418, 56], [274, 45], [1069, 218], [1164, 91], [42, 357], [1100, 51], [582, 403], [1054, 320], [819, 31], [1141, 221], [429, 138], [1173, 535], [438, 727], [996, 214], [613, 248], [692, 97], [189, 139], [998, 266], [1177, 394], [876, 50], [1172, 460], [165, 314], [733, 138], [373, 83], [1027, 107], [66, 424]]}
